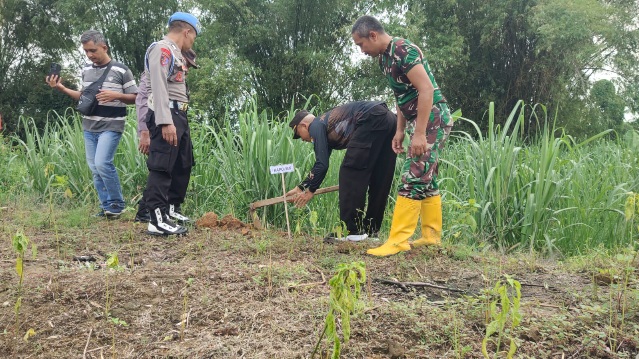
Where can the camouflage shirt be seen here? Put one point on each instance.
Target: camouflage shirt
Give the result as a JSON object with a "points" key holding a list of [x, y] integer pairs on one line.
{"points": [[399, 58]]}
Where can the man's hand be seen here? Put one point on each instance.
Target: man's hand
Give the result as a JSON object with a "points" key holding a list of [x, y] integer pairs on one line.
{"points": [[169, 134], [298, 197], [105, 96], [418, 145], [53, 81], [145, 142], [398, 142], [303, 198], [292, 194]]}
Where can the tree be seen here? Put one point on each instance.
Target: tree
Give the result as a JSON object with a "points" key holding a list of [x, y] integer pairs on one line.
{"points": [[221, 83], [25, 55], [608, 105], [291, 48], [540, 51], [129, 26]]}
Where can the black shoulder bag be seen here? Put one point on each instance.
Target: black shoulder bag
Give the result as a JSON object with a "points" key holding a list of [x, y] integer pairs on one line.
{"points": [[88, 102]]}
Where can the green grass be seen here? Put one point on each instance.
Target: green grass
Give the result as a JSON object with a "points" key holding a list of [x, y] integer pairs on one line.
{"points": [[501, 189]]}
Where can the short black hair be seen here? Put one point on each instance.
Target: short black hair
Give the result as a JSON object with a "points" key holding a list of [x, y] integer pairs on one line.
{"points": [[93, 35], [299, 116], [365, 24], [178, 25]]}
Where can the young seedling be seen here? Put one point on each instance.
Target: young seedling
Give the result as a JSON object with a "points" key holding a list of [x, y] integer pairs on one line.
{"points": [[112, 263], [58, 183], [185, 316], [20, 243], [507, 313], [115, 322], [346, 286]]}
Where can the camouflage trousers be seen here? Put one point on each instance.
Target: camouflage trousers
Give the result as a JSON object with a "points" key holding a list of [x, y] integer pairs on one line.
{"points": [[419, 174]]}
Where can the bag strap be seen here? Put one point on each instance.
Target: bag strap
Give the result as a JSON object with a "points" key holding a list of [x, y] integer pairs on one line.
{"points": [[146, 59], [104, 75]]}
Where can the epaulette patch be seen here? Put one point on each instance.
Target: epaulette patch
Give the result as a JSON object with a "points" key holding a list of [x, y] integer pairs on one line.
{"points": [[165, 57]]}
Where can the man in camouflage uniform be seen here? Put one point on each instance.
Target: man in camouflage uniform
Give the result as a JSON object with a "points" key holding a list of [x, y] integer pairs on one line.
{"points": [[170, 150], [422, 112]]}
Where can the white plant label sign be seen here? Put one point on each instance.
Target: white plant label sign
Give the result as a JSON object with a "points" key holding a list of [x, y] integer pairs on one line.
{"points": [[282, 169]]}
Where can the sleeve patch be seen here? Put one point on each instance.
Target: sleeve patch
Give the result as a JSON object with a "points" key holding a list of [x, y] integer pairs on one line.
{"points": [[165, 57]]}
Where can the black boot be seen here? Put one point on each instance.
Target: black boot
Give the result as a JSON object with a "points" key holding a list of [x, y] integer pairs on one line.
{"points": [[162, 225], [143, 214]]}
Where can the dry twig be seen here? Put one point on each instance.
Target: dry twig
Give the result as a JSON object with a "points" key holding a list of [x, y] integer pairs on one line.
{"points": [[84, 355], [405, 285]]}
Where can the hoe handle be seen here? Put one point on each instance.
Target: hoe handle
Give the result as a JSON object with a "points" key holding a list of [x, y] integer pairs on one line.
{"points": [[270, 201]]}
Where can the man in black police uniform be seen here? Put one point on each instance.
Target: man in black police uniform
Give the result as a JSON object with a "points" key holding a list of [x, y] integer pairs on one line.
{"points": [[365, 129], [171, 150], [142, 109]]}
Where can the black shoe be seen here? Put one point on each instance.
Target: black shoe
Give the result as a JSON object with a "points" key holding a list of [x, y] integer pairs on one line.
{"points": [[100, 214], [143, 215], [332, 238], [112, 213], [162, 225], [175, 214]]}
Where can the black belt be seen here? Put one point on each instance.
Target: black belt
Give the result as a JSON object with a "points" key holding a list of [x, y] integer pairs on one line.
{"points": [[180, 106]]}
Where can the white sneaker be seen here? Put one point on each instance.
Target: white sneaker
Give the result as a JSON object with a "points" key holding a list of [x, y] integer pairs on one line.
{"points": [[373, 236], [356, 237], [161, 225], [174, 214]]}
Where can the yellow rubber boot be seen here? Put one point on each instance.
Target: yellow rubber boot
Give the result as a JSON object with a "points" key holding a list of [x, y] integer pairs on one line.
{"points": [[431, 222], [405, 217]]}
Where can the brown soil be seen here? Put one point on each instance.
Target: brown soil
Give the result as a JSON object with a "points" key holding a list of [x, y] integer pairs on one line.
{"points": [[254, 294]]}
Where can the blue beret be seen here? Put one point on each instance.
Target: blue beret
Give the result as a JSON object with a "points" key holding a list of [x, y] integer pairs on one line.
{"points": [[187, 18]]}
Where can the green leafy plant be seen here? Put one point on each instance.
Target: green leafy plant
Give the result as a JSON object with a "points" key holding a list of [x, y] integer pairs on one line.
{"points": [[112, 262], [465, 224], [504, 315], [340, 229], [346, 287], [115, 322], [20, 243]]}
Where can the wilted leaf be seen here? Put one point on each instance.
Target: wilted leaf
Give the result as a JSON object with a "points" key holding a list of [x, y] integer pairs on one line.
{"points": [[29, 334], [19, 266]]}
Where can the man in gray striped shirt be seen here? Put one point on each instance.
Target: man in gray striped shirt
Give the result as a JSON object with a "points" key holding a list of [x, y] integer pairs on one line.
{"points": [[103, 128]]}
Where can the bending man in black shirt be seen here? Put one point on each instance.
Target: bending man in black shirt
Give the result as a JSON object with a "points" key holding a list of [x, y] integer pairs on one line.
{"points": [[365, 129]]}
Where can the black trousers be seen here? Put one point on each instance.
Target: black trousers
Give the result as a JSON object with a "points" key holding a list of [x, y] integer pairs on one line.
{"points": [[368, 166], [169, 166]]}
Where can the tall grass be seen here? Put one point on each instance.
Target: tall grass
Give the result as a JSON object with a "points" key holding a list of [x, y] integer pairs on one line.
{"points": [[550, 193], [233, 167]]}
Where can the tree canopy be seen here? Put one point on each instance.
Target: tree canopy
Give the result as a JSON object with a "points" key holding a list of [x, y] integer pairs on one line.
{"points": [[280, 52]]}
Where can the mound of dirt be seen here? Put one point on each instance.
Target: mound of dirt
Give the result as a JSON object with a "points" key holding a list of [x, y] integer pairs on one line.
{"points": [[228, 222]]}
